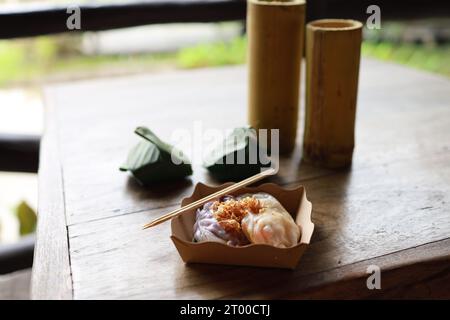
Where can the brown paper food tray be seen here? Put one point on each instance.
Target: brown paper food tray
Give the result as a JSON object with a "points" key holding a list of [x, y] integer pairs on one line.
{"points": [[259, 255]]}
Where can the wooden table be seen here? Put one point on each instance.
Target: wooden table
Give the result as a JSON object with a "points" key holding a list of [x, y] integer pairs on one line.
{"points": [[392, 209]]}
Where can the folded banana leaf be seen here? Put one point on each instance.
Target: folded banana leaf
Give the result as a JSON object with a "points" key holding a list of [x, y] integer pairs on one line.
{"points": [[238, 157], [152, 160]]}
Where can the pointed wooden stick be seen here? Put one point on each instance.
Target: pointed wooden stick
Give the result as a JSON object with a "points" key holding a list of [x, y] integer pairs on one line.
{"points": [[211, 197]]}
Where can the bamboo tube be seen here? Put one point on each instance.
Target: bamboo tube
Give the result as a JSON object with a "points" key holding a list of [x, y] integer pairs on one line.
{"points": [[276, 34], [332, 65]]}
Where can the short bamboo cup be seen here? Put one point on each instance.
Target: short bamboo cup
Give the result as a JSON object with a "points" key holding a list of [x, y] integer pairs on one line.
{"points": [[275, 48], [333, 49]]}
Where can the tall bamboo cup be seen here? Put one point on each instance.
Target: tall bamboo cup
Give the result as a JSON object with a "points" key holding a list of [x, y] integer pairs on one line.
{"points": [[332, 66], [275, 37]]}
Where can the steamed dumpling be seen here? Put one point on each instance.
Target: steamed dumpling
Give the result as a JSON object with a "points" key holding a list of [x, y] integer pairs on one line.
{"points": [[250, 218], [272, 225]]}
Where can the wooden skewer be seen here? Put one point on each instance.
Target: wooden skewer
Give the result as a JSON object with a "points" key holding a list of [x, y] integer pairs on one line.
{"points": [[217, 194]]}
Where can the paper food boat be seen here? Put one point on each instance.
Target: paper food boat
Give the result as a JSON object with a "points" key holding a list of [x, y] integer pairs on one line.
{"points": [[259, 255]]}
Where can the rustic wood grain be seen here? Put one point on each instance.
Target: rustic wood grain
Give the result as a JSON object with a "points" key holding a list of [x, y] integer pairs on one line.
{"points": [[51, 275], [107, 124], [113, 108], [373, 223], [416, 273], [394, 198]]}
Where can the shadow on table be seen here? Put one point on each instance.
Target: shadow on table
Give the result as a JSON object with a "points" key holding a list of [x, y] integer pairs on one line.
{"points": [[169, 190]]}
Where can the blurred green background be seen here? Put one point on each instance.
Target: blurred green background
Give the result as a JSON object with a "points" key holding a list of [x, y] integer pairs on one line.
{"points": [[423, 45]]}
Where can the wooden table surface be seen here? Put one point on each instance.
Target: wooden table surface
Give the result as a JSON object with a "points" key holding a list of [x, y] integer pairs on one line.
{"points": [[391, 209]]}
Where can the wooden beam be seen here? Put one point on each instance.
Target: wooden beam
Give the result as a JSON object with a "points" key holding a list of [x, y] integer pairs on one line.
{"points": [[17, 255], [19, 153], [94, 17], [27, 21]]}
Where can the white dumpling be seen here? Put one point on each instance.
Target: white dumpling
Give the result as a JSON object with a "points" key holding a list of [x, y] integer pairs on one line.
{"points": [[273, 225]]}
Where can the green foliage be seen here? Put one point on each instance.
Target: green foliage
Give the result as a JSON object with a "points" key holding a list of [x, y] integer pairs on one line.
{"points": [[11, 61], [433, 58], [24, 59], [215, 54], [27, 218], [31, 59], [46, 49]]}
